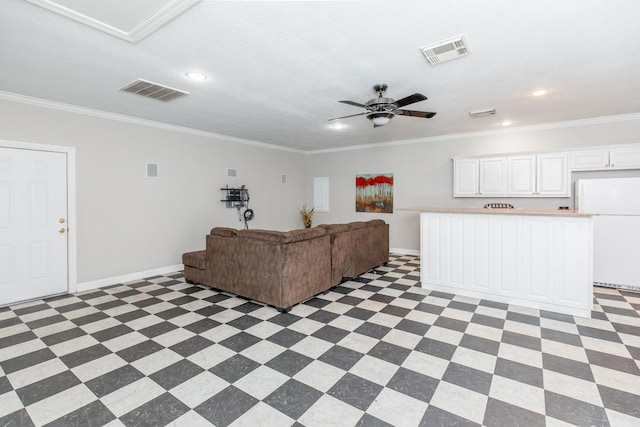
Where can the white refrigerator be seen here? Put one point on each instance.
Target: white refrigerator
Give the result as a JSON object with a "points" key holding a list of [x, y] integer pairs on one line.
{"points": [[616, 229]]}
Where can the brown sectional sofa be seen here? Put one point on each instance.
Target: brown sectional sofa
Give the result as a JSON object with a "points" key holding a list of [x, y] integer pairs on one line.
{"points": [[357, 247], [284, 268]]}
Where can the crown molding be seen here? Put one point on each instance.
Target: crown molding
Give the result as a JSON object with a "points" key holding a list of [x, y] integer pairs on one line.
{"points": [[53, 105], [452, 136], [140, 31], [38, 102]]}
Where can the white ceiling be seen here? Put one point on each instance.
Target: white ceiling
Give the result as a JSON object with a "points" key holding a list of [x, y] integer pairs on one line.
{"points": [[277, 68]]}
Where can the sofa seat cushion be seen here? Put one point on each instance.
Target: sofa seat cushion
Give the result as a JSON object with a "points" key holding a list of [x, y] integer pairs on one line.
{"points": [[194, 259]]}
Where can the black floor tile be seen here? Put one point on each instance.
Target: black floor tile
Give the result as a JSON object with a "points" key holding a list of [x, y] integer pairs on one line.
{"points": [[467, 377], [293, 398], [191, 346], [30, 359], [436, 348], [355, 391], [499, 414], [330, 333], [240, 341], [289, 362], [47, 387], [63, 336], [234, 368], [519, 372], [93, 414], [85, 355], [175, 374], [161, 411], [112, 381], [413, 384], [389, 352], [226, 406], [435, 416], [572, 411], [341, 357], [139, 351]]}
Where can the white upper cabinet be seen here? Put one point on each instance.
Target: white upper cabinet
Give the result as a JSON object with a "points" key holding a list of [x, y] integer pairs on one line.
{"points": [[465, 177], [536, 175], [589, 160], [618, 158], [543, 175], [625, 158], [521, 175], [553, 175], [493, 176]]}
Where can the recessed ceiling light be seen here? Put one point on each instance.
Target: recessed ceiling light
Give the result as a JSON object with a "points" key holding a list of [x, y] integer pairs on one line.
{"points": [[506, 123], [337, 126], [194, 75], [539, 92]]}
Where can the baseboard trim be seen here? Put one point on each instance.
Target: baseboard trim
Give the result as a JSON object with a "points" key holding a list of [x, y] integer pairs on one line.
{"points": [[402, 251], [94, 284]]}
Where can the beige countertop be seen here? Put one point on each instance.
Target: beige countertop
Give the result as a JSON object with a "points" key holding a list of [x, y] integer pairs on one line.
{"points": [[539, 212]]}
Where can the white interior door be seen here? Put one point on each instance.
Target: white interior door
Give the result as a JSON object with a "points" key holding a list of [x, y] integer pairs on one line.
{"points": [[33, 224]]}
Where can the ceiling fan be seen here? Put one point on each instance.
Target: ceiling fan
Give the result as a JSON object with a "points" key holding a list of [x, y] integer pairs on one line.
{"points": [[381, 110]]}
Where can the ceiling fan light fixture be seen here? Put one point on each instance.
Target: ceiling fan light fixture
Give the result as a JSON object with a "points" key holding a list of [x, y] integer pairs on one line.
{"points": [[380, 118]]}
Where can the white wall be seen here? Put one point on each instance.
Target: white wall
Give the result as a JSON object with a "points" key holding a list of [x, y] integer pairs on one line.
{"points": [[128, 223], [423, 170]]}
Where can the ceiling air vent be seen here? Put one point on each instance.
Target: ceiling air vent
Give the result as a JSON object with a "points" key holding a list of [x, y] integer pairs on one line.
{"points": [[446, 50], [153, 90], [482, 113]]}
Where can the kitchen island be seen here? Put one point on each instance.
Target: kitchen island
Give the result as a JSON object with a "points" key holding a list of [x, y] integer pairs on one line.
{"points": [[532, 258]]}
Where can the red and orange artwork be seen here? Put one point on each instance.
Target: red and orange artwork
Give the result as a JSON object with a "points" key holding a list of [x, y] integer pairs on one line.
{"points": [[374, 193]]}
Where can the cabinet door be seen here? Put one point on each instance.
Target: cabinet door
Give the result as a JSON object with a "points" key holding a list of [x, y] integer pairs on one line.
{"points": [[589, 160], [553, 176], [521, 177], [625, 158], [493, 176], [465, 177]]}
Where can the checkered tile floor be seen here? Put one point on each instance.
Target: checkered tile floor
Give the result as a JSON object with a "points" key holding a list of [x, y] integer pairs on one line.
{"points": [[376, 351]]}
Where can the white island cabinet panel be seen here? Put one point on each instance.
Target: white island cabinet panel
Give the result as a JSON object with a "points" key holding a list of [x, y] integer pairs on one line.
{"points": [[573, 243], [503, 261], [477, 246], [537, 261]]}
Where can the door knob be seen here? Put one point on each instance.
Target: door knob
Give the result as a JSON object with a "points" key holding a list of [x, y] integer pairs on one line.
{"points": [[61, 220], [62, 230]]}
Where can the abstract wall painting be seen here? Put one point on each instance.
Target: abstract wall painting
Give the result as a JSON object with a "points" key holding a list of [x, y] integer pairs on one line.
{"points": [[374, 193]]}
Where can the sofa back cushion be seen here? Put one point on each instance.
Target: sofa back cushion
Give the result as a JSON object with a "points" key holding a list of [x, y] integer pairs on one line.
{"points": [[282, 237], [223, 231], [356, 225], [334, 228]]}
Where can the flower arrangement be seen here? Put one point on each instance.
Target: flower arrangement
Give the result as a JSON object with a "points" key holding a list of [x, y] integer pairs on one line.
{"points": [[306, 215]]}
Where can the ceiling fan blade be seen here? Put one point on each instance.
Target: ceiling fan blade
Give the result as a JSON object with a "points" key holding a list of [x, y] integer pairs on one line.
{"points": [[411, 99], [346, 117], [413, 113], [355, 104]]}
